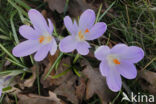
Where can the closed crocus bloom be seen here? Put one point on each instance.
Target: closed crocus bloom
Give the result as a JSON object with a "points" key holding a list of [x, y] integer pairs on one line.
{"points": [[39, 38], [85, 30], [118, 61]]}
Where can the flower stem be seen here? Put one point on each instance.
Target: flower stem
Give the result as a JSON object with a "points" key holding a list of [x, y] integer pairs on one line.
{"points": [[76, 58], [52, 67]]}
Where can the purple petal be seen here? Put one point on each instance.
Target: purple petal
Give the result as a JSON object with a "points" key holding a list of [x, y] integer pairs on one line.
{"points": [[26, 48], [42, 52], [68, 44], [38, 21], [50, 26], [87, 19], [119, 49], [53, 45], [113, 80], [104, 68], [75, 26], [0, 92], [96, 31], [72, 28], [83, 48], [127, 70], [28, 32], [133, 54], [101, 52]]}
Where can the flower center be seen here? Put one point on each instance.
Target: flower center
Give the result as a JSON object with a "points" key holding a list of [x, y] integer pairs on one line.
{"points": [[116, 61], [81, 34], [45, 39], [113, 59]]}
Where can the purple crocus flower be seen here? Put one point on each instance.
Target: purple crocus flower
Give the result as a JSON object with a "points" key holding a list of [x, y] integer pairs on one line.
{"points": [[85, 30], [4, 82], [118, 61], [40, 39]]}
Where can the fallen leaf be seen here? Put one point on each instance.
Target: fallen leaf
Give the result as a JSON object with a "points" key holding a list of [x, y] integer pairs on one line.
{"points": [[36, 99], [81, 88], [29, 82], [96, 83], [46, 83], [66, 84], [67, 90], [57, 5], [147, 79], [75, 7]]}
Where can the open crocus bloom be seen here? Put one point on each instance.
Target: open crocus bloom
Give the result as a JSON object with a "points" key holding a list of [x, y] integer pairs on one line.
{"points": [[40, 39], [118, 61], [85, 30]]}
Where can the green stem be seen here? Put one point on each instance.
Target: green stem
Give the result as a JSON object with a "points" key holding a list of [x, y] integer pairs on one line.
{"points": [[76, 72], [61, 74], [38, 79], [52, 67], [76, 58], [116, 97]]}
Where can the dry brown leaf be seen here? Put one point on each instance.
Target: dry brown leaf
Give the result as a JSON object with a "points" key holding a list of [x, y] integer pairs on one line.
{"points": [[81, 88], [49, 81], [150, 78], [66, 84], [36, 99], [75, 6], [46, 83], [57, 5], [29, 82], [67, 90], [96, 84]]}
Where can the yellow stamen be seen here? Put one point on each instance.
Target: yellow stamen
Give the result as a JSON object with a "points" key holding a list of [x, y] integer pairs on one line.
{"points": [[49, 38], [86, 31], [116, 61], [81, 36], [41, 39]]}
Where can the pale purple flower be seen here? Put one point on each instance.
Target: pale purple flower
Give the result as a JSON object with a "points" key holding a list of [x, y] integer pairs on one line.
{"points": [[40, 39], [118, 61], [4, 82], [86, 29]]}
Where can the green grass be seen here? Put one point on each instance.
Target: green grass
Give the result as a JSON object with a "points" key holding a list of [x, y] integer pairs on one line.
{"points": [[131, 22]]}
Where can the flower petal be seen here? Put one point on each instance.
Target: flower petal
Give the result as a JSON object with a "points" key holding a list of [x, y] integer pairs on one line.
{"points": [[70, 26], [133, 54], [38, 21], [28, 32], [83, 48], [104, 68], [50, 26], [101, 52], [53, 45], [127, 70], [68, 44], [0, 91], [114, 80], [118, 47], [87, 19], [96, 31], [26, 48], [42, 52]]}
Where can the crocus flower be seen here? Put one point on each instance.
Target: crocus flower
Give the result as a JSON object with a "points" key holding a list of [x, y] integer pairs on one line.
{"points": [[40, 39], [118, 61], [4, 82], [84, 30]]}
